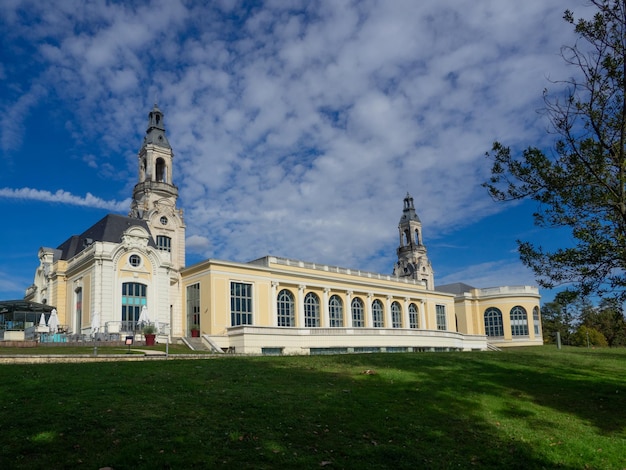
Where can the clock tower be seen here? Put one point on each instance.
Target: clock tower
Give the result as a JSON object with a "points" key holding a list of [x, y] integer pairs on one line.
{"points": [[412, 259], [155, 195]]}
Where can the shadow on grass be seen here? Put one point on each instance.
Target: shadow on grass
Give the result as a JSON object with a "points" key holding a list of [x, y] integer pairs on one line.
{"points": [[435, 411]]}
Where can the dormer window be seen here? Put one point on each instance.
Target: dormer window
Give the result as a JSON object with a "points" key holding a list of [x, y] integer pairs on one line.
{"points": [[164, 243]]}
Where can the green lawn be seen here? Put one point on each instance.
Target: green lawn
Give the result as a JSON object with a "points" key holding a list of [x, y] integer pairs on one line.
{"points": [[524, 408]]}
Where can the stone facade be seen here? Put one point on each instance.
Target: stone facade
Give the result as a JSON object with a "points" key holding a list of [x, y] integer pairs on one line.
{"points": [[102, 279]]}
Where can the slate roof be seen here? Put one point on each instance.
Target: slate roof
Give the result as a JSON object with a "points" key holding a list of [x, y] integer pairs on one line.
{"points": [[456, 288], [108, 229]]}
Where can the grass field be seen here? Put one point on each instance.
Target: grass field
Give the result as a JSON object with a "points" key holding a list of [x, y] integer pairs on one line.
{"points": [[534, 408]]}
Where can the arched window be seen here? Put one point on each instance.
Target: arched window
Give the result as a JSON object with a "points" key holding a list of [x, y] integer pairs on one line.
{"points": [[78, 308], [413, 316], [161, 171], [536, 321], [417, 237], [493, 322], [311, 310], [407, 238], [286, 316], [358, 320], [377, 314], [396, 315], [519, 321], [335, 310]]}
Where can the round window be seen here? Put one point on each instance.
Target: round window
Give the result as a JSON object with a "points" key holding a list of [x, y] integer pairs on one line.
{"points": [[164, 220], [134, 260]]}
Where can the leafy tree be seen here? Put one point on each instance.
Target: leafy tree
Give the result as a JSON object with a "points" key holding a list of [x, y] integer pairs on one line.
{"points": [[607, 319], [556, 317], [582, 184], [586, 336]]}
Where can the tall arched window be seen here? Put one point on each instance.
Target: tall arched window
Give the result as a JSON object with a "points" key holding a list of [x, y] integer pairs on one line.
{"points": [[519, 321], [335, 310], [78, 308], [377, 314], [161, 171], [311, 310], [413, 316], [396, 315], [493, 322], [286, 316], [358, 319], [536, 321]]}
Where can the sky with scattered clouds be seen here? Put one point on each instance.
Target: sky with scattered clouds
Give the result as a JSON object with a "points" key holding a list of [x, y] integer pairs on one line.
{"points": [[298, 126]]}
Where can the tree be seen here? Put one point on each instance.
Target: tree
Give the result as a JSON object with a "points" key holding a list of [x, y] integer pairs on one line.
{"points": [[581, 185], [585, 336], [608, 319], [556, 318]]}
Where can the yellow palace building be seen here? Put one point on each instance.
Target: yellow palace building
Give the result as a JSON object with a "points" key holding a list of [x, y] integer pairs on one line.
{"points": [[104, 279]]}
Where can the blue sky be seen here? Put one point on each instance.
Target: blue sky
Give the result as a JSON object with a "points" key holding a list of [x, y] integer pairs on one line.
{"points": [[298, 126]]}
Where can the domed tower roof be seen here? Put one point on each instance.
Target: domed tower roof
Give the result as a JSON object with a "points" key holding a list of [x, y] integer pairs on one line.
{"points": [[408, 213], [155, 133]]}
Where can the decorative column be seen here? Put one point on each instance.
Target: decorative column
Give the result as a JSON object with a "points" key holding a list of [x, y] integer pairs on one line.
{"points": [[274, 301], [369, 321], [388, 323], [405, 314], [325, 312], [300, 311], [422, 324], [348, 310]]}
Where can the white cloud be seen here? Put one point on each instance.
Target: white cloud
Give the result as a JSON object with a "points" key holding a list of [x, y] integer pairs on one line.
{"points": [[64, 197], [299, 126]]}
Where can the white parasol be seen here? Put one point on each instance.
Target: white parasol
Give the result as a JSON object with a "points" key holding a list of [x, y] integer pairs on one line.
{"points": [[42, 327], [53, 322], [95, 323], [143, 316]]}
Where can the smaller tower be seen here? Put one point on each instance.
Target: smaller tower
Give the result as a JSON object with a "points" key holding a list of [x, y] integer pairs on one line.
{"points": [[155, 195], [412, 259]]}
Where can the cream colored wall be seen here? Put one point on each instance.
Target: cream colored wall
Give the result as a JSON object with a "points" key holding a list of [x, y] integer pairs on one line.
{"points": [[505, 305], [215, 277]]}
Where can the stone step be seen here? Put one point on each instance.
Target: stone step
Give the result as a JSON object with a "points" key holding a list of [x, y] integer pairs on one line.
{"points": [[198, 344]]}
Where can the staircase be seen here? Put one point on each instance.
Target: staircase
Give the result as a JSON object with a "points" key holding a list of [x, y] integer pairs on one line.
{"points": [[201, 344], [196, 344]]}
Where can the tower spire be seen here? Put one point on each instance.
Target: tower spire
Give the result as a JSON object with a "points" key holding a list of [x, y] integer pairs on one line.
{"points": [[412, 259], [155, 133], [155, 195]]}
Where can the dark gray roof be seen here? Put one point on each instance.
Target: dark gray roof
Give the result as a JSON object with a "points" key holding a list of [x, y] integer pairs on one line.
{"points": [[155, 134], [456, 288], [108, 229], [408, 213], [11, 306]]}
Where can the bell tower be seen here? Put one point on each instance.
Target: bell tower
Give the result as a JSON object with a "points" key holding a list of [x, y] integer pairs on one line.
{"points": [[155, 195], [412, 259]]}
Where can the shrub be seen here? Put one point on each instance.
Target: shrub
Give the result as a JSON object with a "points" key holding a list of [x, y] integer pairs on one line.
{"points": [[588, 336]]}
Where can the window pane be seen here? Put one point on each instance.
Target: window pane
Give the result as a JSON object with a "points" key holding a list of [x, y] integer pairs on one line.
{"points": [[241, 304]]}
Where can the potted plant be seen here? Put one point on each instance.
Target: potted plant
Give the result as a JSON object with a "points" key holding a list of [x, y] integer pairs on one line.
{"points": [[195, 331], [149, 332]]}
